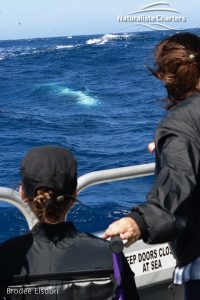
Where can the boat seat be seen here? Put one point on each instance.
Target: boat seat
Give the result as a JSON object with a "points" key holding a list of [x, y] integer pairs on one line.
{"points": [[72, 285]]}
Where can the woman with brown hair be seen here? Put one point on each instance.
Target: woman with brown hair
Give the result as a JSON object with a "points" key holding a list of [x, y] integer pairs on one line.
{"points": [[171, 213]]}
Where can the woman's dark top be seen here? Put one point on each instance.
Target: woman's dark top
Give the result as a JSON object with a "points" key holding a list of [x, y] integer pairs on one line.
{"points": [[62, 261], [172, 211]]}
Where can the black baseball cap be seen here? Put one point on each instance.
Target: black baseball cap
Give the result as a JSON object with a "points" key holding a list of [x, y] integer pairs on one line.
{"points": [[49, 166]]}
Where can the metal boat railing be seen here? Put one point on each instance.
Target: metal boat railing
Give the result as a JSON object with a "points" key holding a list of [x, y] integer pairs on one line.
{"points": [[11, 196], [93, 178], [124, 173]]}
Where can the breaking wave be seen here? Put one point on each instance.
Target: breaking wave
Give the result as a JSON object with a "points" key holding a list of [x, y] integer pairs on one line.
{"points": [[109, 37], [27, 50]]}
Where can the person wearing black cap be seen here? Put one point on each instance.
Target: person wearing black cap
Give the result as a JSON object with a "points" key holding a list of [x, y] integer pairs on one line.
{"points": [[54, 260], [49, 181]]}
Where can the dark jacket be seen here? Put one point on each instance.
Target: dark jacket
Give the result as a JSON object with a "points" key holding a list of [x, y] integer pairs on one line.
{"points": [[172, 211], [58, 262]]}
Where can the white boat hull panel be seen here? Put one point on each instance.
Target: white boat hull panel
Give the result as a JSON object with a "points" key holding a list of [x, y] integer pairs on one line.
{"points": [[153, 266]]}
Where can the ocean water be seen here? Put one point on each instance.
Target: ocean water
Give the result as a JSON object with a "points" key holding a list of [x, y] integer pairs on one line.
{"points": [[92, 94]]}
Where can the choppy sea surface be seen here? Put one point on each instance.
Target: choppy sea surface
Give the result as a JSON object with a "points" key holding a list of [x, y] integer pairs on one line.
{"points": [[92, 94]]}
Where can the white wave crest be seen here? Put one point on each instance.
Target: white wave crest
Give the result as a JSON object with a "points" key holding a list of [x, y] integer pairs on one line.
{"points": [[81, 97], [64, 47], [108, 37]]}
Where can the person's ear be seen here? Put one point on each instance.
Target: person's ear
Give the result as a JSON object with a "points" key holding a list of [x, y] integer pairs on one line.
{"points": [[198, 85], [22, 194]]}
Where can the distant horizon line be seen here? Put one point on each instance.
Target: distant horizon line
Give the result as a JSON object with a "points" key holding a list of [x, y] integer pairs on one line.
{"points": [[96, 34]]}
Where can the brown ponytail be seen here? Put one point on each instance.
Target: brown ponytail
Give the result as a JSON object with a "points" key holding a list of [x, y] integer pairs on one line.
{"points": [[178, 66], [48, 207]]}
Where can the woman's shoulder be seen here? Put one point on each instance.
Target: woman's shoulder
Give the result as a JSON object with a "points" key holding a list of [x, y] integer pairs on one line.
{"points": [[184, 117], [182, 122]]}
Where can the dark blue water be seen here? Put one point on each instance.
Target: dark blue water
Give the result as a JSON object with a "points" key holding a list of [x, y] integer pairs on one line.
{"points": [[92, 94]]}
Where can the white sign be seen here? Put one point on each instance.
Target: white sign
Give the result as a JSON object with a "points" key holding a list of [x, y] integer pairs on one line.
{"points": [[153, 259]]}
